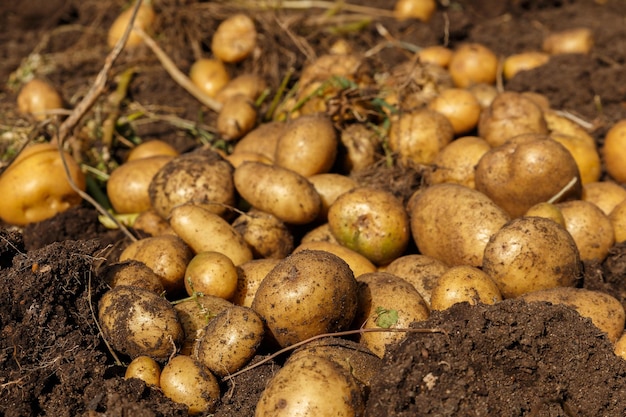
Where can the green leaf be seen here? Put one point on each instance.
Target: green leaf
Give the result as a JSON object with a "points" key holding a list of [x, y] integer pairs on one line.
{"points": [[386, 318]]}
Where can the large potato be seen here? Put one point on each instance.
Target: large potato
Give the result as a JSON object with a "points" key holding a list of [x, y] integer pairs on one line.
{"points": [[531, 254], [453, 223]]}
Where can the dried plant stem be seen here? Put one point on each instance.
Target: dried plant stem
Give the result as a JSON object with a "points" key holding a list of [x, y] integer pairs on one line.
{"points": [[319, 4]]}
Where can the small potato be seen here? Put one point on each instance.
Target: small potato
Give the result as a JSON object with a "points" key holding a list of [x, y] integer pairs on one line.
{"points": [[372, 222], [151, 148], [436, 54], [484, 93], [387, 301], [453, 223], [261, 140], [205, 231], [559, 124], [133, 273], [618, 221], [327, 66], [604, 194], [235, 38], [464, 283], [360, 145], [236, 118], [548, 211], [320, 233], [249, 85], [421, 271], [459, 106], [209, 75], [414, 9], [590, 227], [185, 381], [456, 163], [144, 20], [585, 155], [473, 63], [523, 61], [166, 255], [211, 273], [152, 224], [266, 235], [250, 275], [230, 340], [37, 97], [531, 254], [138, 322], [306, 294], [605, 311], [358, 263], [571, 41], [330, 186], [146, 369], [614, 151], [279, 191]]}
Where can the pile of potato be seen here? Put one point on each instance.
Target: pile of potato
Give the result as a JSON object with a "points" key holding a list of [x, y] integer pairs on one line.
{"points": [[277, 242]]}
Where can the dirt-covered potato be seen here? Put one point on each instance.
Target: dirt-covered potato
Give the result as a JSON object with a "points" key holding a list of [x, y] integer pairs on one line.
{"points": [[359, 147], [235, 38], [144, 368], [605, 311], [236, 118], [453, 223], [387, 301], [604, 194], [307, 294], [37, 97], [138, 322], [250, 85], [185, 381], [372, 222], [279, 191], [421, 271], [618, 221], [266, 235], [133, 273], [463, 283], [358, 263], [211, 273], [531, 254], [230, 340], [330, 186], [250, 275], [473, 63], [521, 173], [456, 163]]}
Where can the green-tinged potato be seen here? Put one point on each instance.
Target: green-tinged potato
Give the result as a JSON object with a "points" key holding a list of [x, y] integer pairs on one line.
{"points": [[185, 381], [360, 147], [203, 178], [421, 271], [230, 340], [261, 140], [265, 234], [307, 145], [250, 275], [311, 386], [144, 368], [138, 322], [618, 221], [590, 227], [456, 163], [205, 231], [358, 263], [320, 233], [605, 311], [372, 222], [279, 191], [166, 255], [151, 148], [387, 301], [236, 118], [604, 194], [307, 294], [127, 187], [134, 274], [531, 254], [330, 186], [453, 223], [211, 273], [464, 283]]}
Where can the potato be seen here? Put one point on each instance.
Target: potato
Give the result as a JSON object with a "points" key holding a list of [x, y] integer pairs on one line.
{"points": [[456, 163], [473, 63], [571, 41], [531, 254], [238, 158], [311, 386], [205, 231], [326, 66], [230, 340], [166, 255], [250, 275], [358, 263], [209, 75], [138, 322], [510, 114], [144, 20], [418, 136], [620, 346], [250, 85], [414, 9], [152, 224], [321, 233], [618, 221], [453, 223], [127, 187], [330, 186], [372, 222], [604, 194], [421, 271], [151, 148], [614, 151], [523, 61], [386, 301], [590, 227], [436, 54], [185, 381], [133, 273], [261, 140], [460, 107], [559, 124], [605, 311], [306, 294], [585, 155], [463, 283], [484, 93], [548, 211], [37, 185], [211, 273], [265, 234], [235, 38], [279, 191], [202, 178], [236, 118], [522, 173], [37, 97], [360, 146], [144, 368]]}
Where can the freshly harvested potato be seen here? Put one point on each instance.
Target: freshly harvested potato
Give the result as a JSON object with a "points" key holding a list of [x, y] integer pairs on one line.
{"points": [[484, 93], [152, 224], [360, 145], [571, 41], [127, 187], [456, 163], [205, 231], [139, 322], [250, 275], [134, 274], [463, 283], [279, 191], [144, 20], [531, 254], [559, 124], [418, 136], [238, 158], [436, 54], [414, 9], [144, 368], [372, 222], [185, 381], [261, 140], [386, 301], [614, 151], [523, 61], [38, 97], [590, 227], [510, 114], [605, 311], [459, 106], [620, 346], [209, 75], [585, 155], [453, 223], [250, 85], [320, 233], [37, 185], [203, 178], [211, 273], [326, 66], [473, 63], [151, 148], [166, 255], [604, 194], [266, 235], [235, 38], [311, 386], [522, 173], [330, 186], [236, 118], [358, 263], [618, 220], [421, 271], [548, 211], [230, 340], [306, 294]]}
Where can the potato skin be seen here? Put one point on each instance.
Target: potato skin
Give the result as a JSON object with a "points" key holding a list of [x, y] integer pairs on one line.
{"points": [[421, 271], [464, 283], [186, 381]]}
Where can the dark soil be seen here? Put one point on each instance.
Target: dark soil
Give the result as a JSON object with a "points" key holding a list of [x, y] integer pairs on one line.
{"points": [[511, 359]]}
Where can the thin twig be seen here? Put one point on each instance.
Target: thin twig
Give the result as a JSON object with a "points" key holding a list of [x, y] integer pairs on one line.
{"points": [[328, 5]]}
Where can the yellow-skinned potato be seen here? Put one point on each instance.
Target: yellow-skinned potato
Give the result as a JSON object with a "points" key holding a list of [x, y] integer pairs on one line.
{"points": [[531, 254], [151, 148], [548, 211], [144, 20], [185, 381], [144, 368], [361, 144], [414, 9], [330, 186], [326, 66], [358, 263], [236, 118], [453, 223], [523, 61], [152, 224], [37, 185], [262, 140], [421, 271], [571, 41], [459, 106], [250, 275], [133, 273], [38, 97], [235, 38], [211, 273], [618, 220], [249, 85], [436, 54], [238, 158], [620, 346], [604, 194], [457, 162], [209, 75], [265, 234], [585, 155], [605, 311], [559, 124], [205, 231], [614, 151], [279, 191], [320, 233], [473, 63], [484, 93], [464, 283]]}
